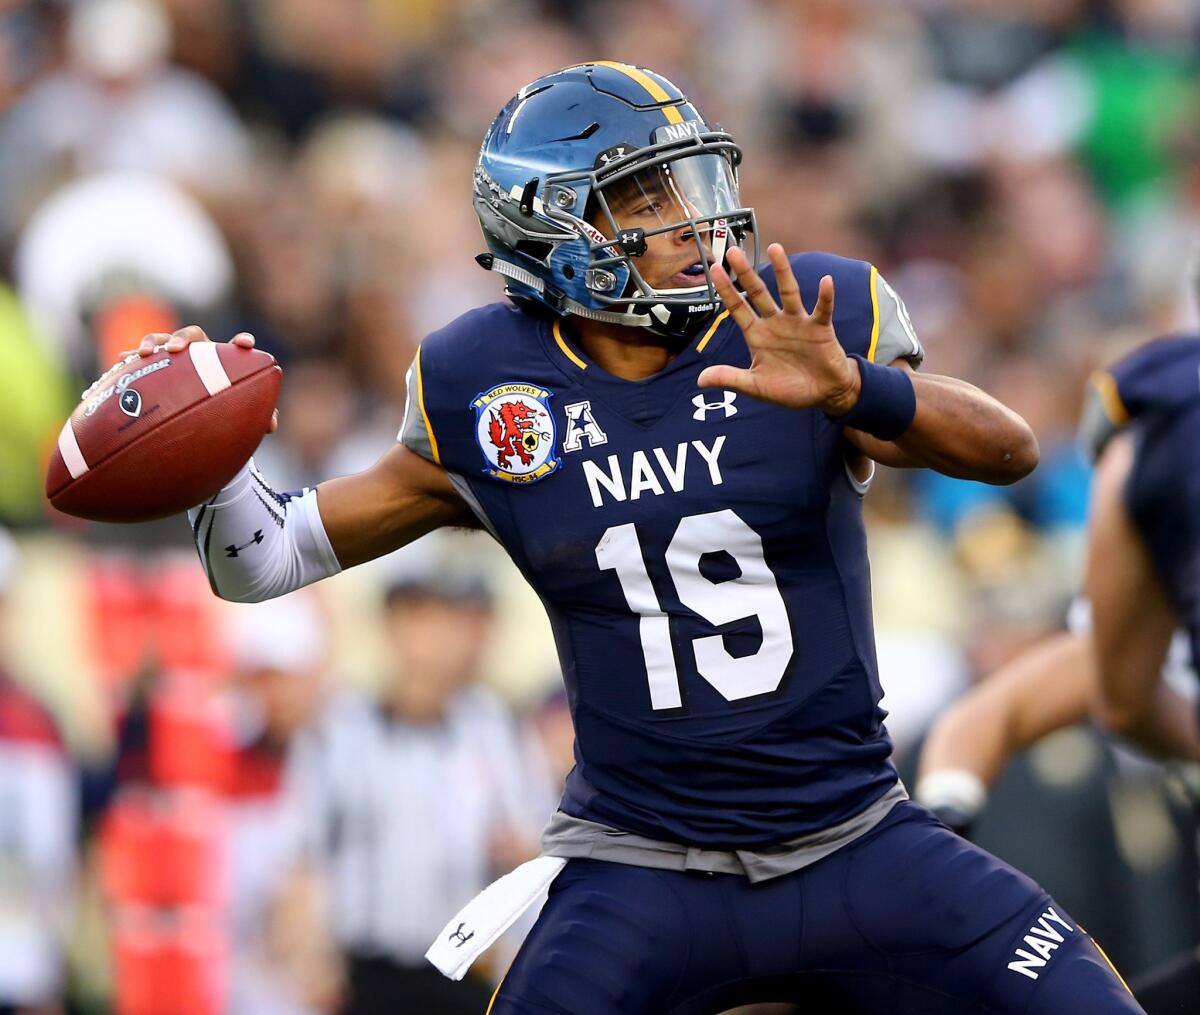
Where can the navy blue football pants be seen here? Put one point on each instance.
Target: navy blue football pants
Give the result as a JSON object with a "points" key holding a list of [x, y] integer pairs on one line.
{"points": [[910, 918]]}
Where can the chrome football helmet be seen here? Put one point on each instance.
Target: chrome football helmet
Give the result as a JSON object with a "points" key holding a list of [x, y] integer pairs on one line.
{"points": [[567, 156]]}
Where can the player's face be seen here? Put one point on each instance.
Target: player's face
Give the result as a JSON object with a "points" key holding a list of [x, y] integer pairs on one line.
{"points": [[288, 700], [665, 198], [438, 642]]}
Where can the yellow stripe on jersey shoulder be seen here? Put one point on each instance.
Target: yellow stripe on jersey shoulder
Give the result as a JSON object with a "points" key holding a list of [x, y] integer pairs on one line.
{"points": [[1110, 398], [874, 283], [657, 92], [425, 415], [1104, 956]]}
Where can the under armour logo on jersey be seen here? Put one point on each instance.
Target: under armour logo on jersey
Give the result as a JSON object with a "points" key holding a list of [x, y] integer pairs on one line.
{"points": [[580, 424], [703, 407]]}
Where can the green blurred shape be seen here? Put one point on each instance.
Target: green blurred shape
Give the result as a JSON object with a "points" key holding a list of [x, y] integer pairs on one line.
{"points": [[1143, 95], [34, 401]]}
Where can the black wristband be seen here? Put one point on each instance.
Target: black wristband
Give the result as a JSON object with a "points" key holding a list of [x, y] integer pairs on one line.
{"points": [[886, 402]]}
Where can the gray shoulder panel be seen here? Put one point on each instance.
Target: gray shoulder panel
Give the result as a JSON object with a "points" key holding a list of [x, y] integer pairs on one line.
{"points": [[414, 433], [897, 336]]}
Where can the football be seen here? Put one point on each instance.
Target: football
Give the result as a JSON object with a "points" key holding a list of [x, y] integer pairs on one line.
{"points": [[159, 434]]}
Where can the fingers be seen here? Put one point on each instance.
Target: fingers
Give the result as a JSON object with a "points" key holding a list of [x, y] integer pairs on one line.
{"points": [[756, 288], [738, 308], [732, 378], [179, 340], [823, 312], [151, 343], [789, 288], [274, 424]]}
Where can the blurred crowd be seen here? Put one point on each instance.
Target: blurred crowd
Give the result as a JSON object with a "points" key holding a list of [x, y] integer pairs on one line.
{"points": [[276, 814]]}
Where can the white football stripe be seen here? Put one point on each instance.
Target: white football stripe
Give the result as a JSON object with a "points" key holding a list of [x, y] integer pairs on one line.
{"points": [[68, 447], [209, 366]]}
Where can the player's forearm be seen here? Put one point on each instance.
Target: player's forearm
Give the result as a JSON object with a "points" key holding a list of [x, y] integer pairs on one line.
{"points": [[1043, 689], [400, 499], [964, 432], [972, 736]]}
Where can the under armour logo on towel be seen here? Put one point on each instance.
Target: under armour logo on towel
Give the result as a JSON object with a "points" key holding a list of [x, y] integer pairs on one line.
{"points": [[458, 935], [704, 407]]}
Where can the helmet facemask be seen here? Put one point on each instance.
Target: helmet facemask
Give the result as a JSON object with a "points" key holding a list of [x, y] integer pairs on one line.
{"points": [[686, 188]]}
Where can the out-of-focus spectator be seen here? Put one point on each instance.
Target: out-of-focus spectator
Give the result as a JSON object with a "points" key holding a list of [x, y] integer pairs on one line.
{"points": [[426, 796], [117, 105], [37, 838], [24, 48], [284, 962], [322, 437], [109, 255]]}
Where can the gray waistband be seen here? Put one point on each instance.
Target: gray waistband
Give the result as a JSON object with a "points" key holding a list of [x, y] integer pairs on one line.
{"points": [[576, 838]]}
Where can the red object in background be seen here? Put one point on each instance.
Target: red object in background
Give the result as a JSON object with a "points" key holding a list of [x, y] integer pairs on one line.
{"points": [[121, 324], [162, 433], [191, 743], [165, 849], [163, 614], [186, 635], [169, 963], [116, 613]]}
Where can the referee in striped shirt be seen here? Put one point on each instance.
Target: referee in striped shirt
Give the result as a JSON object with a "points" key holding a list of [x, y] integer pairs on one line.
{"points": [[424, 797]]}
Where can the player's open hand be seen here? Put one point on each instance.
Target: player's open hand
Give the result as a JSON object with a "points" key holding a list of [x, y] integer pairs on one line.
{"points": [[179, 340], [795, 357]]}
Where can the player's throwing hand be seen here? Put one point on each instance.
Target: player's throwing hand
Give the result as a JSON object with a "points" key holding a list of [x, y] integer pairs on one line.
{"points": [[795, 357], [179, 340]]}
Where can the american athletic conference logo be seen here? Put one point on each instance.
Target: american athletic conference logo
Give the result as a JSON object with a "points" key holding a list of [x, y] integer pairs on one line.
{"points": [[515, 431]]}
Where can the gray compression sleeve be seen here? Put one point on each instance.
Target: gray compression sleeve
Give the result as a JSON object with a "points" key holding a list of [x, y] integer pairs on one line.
{"points": [[257, 544]]}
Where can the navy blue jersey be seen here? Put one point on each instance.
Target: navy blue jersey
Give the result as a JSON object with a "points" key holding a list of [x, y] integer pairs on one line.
{"points": [[702, 559], [1155, 391]]}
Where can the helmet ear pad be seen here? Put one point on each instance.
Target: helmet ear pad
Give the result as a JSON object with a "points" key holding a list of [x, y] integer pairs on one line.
{"points": [[570, 264]]}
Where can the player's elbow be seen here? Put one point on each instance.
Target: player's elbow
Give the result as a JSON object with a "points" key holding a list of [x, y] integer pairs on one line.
{"points": [[1018, 453], [242, 592]]}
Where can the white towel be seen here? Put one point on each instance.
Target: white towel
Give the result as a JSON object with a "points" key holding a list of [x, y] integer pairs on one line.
{"points": [[475, 927]]}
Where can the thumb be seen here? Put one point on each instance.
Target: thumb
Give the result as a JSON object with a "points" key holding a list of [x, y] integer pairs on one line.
{"points": [[733, 378]]}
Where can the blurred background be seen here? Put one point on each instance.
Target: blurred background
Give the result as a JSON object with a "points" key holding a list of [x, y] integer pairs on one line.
{"points": [[273, 809]]}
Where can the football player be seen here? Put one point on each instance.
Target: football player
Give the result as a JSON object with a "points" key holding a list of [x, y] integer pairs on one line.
{"points": [[672, 444], [1128, 658], [1143, 571]]}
